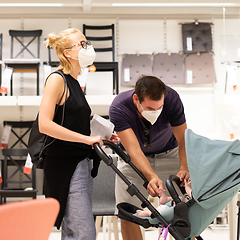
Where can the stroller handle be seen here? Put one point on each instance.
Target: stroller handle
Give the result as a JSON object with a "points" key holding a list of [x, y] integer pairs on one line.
{"points": [[171, 188], [121, 153], [114, 147], [132, 190]]}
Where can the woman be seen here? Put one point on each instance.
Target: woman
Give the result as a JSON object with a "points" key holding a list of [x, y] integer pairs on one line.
{"points": [[67, 165]]}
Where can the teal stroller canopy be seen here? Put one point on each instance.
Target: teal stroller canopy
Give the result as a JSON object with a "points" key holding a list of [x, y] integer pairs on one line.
{"points": [[214, 168]]}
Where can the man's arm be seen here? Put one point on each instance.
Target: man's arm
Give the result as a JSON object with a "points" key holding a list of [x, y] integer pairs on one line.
{"points": [[179, 134], [131, 145]]}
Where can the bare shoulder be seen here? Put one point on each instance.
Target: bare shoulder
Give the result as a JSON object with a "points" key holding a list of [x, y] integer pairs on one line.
{"points": [[54, 79], [54, 83], [54, 88]]}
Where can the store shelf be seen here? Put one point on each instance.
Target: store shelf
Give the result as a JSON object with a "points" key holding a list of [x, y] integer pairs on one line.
{"points": [[8, 101], [28, 100], [100, 100], [93, 100]]}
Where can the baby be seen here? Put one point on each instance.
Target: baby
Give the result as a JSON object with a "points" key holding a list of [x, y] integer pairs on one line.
{"points": [[164, 199]]}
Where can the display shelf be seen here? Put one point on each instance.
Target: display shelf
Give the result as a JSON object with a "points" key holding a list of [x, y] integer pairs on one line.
{"points": [[8, 100], [28, 100], [100, 100], [192, 88], [93, 100]]}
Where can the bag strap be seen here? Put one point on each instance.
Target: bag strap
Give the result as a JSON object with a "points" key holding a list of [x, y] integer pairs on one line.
{"points": [[64, 104], [65, 85]]}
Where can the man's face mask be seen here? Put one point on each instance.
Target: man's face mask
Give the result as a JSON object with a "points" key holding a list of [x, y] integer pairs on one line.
{"points": [[151, 116]]}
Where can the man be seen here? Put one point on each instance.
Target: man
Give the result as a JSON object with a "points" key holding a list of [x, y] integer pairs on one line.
{"points": [[150, 122]]}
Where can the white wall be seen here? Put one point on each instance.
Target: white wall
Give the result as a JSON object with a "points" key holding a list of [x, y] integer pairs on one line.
{"points": [[207, 108]]}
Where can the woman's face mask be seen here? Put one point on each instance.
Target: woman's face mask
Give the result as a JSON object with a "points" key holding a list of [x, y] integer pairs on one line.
{"points": [[86, 56], [151, 116]]}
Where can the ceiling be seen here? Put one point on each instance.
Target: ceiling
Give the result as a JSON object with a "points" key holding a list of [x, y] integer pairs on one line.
{"points": [[104, 9]]}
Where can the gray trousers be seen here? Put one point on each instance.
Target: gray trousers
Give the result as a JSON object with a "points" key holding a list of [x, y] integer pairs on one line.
{"points": [[78, 222]]}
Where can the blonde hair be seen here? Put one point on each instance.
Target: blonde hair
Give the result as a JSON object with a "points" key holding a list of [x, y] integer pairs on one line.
{"points": [[59, 43]]}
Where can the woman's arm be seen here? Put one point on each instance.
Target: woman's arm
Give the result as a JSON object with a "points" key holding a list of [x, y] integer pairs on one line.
{"points": [[52, 94]]}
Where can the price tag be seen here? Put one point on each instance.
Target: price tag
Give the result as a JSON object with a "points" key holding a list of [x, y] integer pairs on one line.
{"points": [[28, 165], [189, 43], [5, 136], [6, 80], [126, 75], [0, 175], [189, 76]]}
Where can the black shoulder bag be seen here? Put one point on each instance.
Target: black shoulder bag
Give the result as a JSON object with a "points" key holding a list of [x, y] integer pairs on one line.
{"points": [[37, 141]]}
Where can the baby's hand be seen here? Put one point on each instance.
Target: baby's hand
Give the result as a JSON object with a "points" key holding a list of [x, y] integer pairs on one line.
{"points": [[188, 187], [187, 183]]}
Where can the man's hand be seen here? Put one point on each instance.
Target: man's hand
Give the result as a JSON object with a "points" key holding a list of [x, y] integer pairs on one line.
{"points": [[154, 187], [114, 138], [183, 174]]}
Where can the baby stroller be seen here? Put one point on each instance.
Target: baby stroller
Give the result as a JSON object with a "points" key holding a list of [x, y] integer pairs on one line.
{"points": [[215, 175]]}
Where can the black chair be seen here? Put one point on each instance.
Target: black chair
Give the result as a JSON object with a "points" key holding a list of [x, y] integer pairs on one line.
{"points": [[96, 38], [30, 64], [20, 137], [15, 181], [104, 66], [50, 61], [1, 58]]}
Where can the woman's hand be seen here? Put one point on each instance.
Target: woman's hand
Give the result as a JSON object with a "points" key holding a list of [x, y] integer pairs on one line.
{"points": [[94, 139]]}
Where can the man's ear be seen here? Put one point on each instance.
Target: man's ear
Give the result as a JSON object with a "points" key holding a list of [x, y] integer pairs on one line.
{"points": [[135, 98]]}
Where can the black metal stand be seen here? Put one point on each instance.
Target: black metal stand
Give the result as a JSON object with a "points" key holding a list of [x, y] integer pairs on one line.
{"points": [[238, 221]]}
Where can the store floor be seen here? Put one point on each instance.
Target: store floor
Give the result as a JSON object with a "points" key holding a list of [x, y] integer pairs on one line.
{"points": [[214, 233]]}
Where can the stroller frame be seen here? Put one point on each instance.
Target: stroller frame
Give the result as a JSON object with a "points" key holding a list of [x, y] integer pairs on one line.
{"points": [[180, 227]]}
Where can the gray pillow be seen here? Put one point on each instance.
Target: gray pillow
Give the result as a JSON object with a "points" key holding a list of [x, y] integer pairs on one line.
{"points": [[169, 68], [133, 67], [196, 37], [199, 69]]}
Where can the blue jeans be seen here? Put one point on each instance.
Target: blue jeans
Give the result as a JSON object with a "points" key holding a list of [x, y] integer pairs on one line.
{"points": [[78, 222]]}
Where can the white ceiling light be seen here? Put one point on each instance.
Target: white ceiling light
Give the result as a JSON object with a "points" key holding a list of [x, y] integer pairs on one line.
{"points": [[119, 4], [31, 4], [174, 4]]}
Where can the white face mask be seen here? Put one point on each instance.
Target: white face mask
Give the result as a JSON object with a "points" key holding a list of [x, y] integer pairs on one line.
{"points": [[151, 116], [86, 56]]}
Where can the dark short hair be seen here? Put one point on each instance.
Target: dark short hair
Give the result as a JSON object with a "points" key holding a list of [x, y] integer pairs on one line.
{"points": [[150, 86]]}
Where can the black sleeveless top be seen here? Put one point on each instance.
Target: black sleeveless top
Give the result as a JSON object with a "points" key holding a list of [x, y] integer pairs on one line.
{"points": [[76, 118]]}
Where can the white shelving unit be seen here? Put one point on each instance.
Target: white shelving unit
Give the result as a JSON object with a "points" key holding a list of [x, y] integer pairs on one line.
{"points": [[98, 103], [98, 100]]}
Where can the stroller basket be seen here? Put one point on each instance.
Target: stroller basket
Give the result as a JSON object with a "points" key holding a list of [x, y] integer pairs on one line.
{"points": [[180, 227]]}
